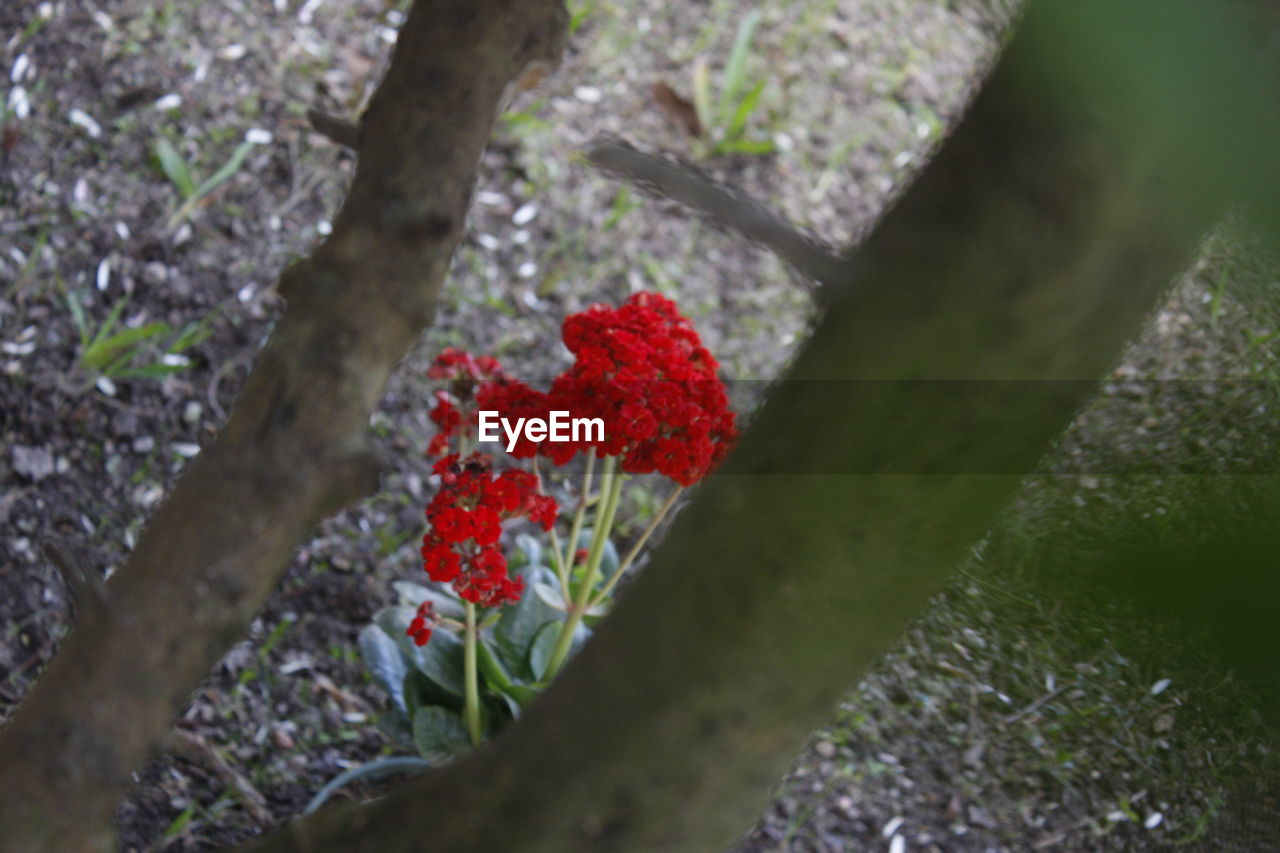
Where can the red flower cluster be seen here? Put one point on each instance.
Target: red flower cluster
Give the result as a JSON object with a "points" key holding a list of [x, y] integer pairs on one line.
{"points": [[423, 623], [466, 518], [464, 372], [643, 370]]}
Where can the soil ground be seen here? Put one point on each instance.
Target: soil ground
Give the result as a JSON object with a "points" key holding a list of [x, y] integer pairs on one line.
{"points": [[1017, 714]]}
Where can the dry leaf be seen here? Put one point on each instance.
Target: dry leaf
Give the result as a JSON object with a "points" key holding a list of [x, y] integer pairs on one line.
{"points": [[679, 110]]}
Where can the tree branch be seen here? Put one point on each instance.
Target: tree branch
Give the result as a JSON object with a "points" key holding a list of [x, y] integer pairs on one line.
{"points": [[723, 205], [295, 447]]}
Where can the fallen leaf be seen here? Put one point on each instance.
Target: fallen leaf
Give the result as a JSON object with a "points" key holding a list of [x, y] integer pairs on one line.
{"points": [[678, 110]]}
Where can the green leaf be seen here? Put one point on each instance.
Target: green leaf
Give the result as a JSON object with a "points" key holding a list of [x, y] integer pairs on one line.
{"points": [[438, 733], [413, 594], [395, 621], [383, 659], [540, 651], [77, 317], [551, 596], [520, 621], [420, 691], [180, 822], [441, 660], [103, 351], [104, 331], [736, 69], [175, 168], [744, 110], [490, 667], [530, 548], [746, 146], [229, 168], [545, 641], [191, 334], [496, 679]]}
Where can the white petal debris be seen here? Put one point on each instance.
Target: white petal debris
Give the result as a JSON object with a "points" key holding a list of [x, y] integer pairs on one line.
{"points": [[82, 119], [21, 66], [525, 213], [19, 102], [308, 11], [1161, 686]]}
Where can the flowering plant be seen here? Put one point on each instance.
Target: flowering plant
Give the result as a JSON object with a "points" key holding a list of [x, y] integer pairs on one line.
{"points": [[465, 651]]}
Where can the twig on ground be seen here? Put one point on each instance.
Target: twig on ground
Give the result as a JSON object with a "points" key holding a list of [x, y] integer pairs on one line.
{"points": [[203, 752]]}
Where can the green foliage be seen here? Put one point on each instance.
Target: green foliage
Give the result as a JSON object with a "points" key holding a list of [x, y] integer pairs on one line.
{"points": [[578, 13], [516, 643], [180, 173], [724, 119], [118, 352]]}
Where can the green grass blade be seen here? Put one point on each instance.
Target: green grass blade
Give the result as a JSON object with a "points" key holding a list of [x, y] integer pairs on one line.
{"points": [[102, 352], [104, 331], [749, 103], [192, 334], [228, 169], [77, 317], [702, 95], [735, 71], [175, 168], [745, 146]]}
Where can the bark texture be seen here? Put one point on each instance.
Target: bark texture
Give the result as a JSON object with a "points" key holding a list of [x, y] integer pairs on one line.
{"points": [[295, 447], [1029, 250]]}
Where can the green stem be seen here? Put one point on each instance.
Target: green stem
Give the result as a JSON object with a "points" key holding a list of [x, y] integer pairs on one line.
{"points": [[557, 563], [471, 708], [576, 529], [557, 556], [610, 490], [607, 589]]}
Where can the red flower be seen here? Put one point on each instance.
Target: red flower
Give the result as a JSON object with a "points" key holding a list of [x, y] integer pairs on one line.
{"points": [[423, 624], [452, 413], [466, 518], [643, 370]]}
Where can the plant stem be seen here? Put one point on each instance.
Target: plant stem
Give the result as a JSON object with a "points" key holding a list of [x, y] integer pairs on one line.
{"points": [[607, 589], [557, 555], [557, 560], [610, 489], [471, 708], [576, 529]]}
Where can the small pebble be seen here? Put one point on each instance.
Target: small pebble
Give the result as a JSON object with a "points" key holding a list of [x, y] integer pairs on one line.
{"points": [[525, 213]]}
